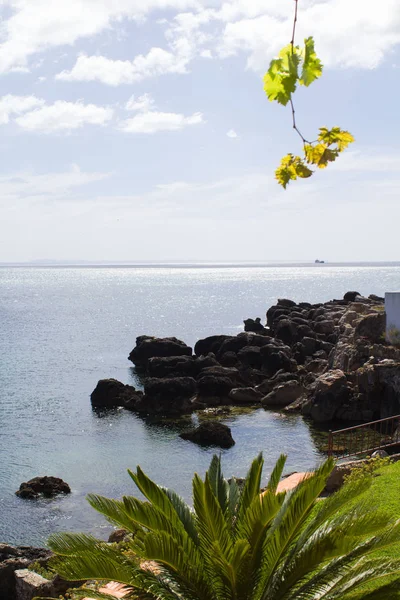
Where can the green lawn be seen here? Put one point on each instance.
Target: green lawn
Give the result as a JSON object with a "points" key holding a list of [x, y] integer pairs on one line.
{"points": [[384, 494]]}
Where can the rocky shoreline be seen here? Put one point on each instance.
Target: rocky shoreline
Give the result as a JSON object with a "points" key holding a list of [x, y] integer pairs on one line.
{"points": [[329, 362]]}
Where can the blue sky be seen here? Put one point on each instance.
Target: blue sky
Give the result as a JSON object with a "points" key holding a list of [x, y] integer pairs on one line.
{"points": [[139, 130]]}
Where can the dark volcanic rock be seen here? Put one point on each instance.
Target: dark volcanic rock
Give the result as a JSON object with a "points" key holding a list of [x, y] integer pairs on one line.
{"points": [[286, 331], [287, 303], [209, 344], [210, 433], [45, 486], [351, 296], [242, 340], [110, 393], [331, 393], [376, 298], [283, 395], [247, 395], [309, 345], [148, 347], [253, 325], [170, 396], [250, 356], [171, 366], [118, 535], [229, 359], [220, 371], [215, 385], [274, 359], [325, 327], [278, 379], [316, 366], [275, 312]]}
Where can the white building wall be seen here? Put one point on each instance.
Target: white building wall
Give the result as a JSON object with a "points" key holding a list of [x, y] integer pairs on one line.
{"points": [[392, 308]]}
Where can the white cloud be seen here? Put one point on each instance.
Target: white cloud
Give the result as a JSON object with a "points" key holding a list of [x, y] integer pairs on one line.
{"points": [[37, 26], [16, 105], [153, 121], [371, 161], [26, 185], [357, 34], [116, 72], [350, 33], [142, 103], [232, 134], [64, 116]]}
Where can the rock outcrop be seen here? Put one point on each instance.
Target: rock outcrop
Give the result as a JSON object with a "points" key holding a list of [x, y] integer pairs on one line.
{"points": [[148, 347], [283, 395], [43, 486], [110, 393], [329, 361], [210, 433], [13, 558], [170, 396]]}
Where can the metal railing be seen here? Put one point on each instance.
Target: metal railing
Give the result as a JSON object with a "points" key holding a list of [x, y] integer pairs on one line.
{"points": [[365, 438]]}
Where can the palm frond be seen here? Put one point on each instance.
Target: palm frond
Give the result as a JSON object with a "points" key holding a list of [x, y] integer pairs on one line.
{"points": [[184, 565], [390, 591], [276, 474], [366, 571], [211, 524], [218, 484], [289, 521], [73, 544], [113, 510], [94, 595], [184, 513], [233, 506], [153, 492], [332, 540], [334, 504], [149, 516], [95, 566], [251, 488]]}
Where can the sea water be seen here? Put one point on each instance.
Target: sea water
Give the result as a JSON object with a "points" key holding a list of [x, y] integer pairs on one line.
{"points": [[62, 329]]}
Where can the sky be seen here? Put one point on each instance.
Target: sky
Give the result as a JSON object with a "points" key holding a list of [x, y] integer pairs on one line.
{"points": [[138, 130]]}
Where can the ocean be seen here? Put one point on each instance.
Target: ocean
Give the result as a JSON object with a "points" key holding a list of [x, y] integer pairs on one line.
{"points": [[64, 328]]}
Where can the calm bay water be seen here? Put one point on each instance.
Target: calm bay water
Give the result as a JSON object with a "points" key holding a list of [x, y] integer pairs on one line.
{"points": [[63, 329]]}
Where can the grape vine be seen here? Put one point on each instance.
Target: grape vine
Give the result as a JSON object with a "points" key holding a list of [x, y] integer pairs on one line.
{"points": [[293, 66]]}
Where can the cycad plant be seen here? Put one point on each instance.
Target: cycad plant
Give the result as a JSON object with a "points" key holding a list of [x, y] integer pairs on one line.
{"points": [[238, 543]]}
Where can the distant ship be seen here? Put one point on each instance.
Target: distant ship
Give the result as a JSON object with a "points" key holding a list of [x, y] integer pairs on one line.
{"points": [[319, 262]]}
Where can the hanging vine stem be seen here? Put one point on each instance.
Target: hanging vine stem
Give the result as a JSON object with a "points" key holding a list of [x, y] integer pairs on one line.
{"points": [[301, 66], [297, 130]]}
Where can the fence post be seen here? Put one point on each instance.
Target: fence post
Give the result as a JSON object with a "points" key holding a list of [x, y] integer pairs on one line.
{"points": [[330, 443]]}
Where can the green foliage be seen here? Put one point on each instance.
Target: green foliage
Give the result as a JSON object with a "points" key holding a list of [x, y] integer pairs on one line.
{"points": [[281, 79], [294, 66], [367, 468], [238, 543], [312, 66], [45, 572], [393, 335], [291, 168]]}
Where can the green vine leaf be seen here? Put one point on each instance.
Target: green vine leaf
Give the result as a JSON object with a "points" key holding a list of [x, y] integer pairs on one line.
{"points": [[335, 136], [291, 168], [280, 82], [281, 79], [312, 66], [320, 155]]}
